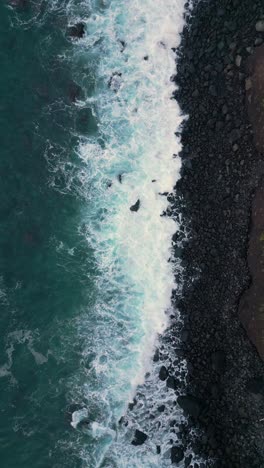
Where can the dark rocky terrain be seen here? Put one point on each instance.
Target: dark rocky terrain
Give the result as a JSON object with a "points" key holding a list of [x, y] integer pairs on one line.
{"points": [[222, 172]]}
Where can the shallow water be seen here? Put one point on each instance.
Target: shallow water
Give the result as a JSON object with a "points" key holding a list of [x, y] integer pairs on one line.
{"points": [[88, 129]]}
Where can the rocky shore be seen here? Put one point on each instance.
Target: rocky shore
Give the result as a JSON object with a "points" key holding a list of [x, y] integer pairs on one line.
{"points": [[222, 172]]}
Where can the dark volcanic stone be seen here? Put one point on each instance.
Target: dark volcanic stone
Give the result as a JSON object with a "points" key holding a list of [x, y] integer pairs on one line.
{"points": [[139, 438], [136, 206], [163, 373], [161, 408], [177, 454], [214, 201], [190, 405], [172, 382], [76, 31]]}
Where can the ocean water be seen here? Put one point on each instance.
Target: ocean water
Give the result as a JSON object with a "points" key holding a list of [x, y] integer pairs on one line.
{"points": [[88, 131]]}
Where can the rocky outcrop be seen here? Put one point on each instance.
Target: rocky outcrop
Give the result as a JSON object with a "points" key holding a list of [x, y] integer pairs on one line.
{"points": [[251, 309], [77, 31], [135, 207], [221, 171], [255, 95]]}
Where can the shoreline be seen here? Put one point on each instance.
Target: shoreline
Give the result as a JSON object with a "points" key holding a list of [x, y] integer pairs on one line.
{"points": [[220, 174]]}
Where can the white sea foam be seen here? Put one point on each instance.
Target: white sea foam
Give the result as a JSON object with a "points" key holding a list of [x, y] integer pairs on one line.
{"points": [[134, 158]]}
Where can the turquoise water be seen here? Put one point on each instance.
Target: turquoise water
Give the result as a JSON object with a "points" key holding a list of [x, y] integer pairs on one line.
{"points": [[87, 129]]}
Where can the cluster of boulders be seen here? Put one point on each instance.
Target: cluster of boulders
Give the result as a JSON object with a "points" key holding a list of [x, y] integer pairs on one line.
{"points": [[224, 398]]}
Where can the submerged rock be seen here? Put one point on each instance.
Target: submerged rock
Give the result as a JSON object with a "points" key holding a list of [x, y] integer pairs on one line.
{"points": [[74, 91], [76, 31], [136, 206], [19, 3], [115, 81], [139, 438]]}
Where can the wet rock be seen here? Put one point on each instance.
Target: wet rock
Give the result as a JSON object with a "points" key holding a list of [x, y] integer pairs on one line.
{"points": [[177, 454], [76, 31], [139, 438], [161, 408], [260, 26], [74, 91], [172, 382], [123, 45], [115, 81], [190, 405], [163, 373], [136, 206], [188, 461], [133, 404]]}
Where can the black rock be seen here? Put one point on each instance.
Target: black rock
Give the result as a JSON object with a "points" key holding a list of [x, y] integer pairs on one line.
{"points": [[188, 461], [190, 405], [76, 31], [156, 356], [139, 438], [115, 81], [123, 45], [161, 408], [136, 206], [163, 373], [177, 454], [234, 135], [171, 382]]}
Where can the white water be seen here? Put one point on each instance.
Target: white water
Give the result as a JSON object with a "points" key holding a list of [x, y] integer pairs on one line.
{"points": [[129, 47]]}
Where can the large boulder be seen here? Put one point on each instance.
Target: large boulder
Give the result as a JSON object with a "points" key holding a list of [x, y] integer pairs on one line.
{"points": [[76, 31], [136, 206], [177, 454], [139, 438]]}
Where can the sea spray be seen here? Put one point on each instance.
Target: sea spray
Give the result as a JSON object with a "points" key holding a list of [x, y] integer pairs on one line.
{"points": [[131, 158]]}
